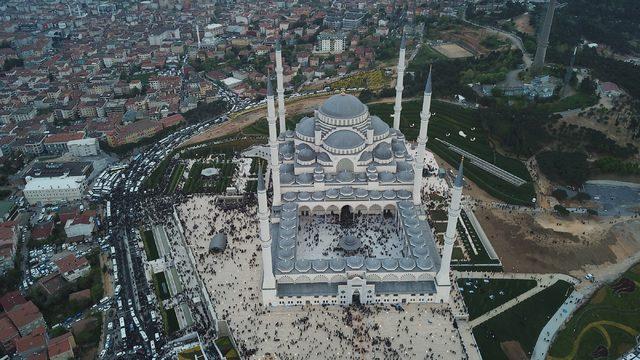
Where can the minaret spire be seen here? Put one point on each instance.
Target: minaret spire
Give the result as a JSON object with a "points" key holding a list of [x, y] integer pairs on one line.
{"points": [[397, 108], [543, 38], [274, 160], [280, 87], [442, 278], [268, 280], [425, 114]]}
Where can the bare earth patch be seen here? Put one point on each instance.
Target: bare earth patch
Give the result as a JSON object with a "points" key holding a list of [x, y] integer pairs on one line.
{"points": [[513, 350], [543, 243], [523, 24], [452, 51], [240, 122]]}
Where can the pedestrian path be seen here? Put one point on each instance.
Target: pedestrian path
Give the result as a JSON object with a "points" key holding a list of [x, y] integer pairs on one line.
{"points": [[544, 281]]}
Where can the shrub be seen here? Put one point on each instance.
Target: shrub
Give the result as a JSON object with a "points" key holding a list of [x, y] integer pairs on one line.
{"points": [[561, 210], [559, 194]]}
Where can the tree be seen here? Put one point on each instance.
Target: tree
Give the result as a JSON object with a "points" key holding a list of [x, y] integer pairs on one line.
{"points": [[559, 194], [561, 210], [569, 168]]}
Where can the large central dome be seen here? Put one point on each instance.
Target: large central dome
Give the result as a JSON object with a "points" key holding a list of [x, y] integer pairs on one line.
{"points": [[343, 106]]}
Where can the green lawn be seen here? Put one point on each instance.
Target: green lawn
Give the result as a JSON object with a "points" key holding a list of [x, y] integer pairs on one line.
{"points": [[480, 296], [162, 288], [449, 120], [172, 321], [226, 348], [176, 175], [196, 183], [616, 316], [425, 55], [150, 245], [521, 323]]}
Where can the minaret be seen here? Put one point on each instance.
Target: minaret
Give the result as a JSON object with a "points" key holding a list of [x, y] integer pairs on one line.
{"points": [[418, 165], [543, 38], [273, 144], [198, 35], [397, 108], [268, 280], [280, 87], [442, 278]]}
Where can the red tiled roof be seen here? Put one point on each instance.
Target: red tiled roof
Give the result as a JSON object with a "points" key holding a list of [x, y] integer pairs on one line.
{"points": [[30, 342], [42, 231], [24, 314], [11, 299], [7, 330], [59, 345], [71, 263], [172, 120], [63, 137]]}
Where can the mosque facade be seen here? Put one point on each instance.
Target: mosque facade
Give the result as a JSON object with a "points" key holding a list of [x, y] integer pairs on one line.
{"points": [[341, 166]]}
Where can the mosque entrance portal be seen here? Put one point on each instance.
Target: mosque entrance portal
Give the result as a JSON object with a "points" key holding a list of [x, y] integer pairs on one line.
{"points": [[346, 216], [355, 298]]}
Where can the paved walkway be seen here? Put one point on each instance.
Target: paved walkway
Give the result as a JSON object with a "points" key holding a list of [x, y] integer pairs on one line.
{"points": [[466, 335], [583, 293], [556, 321]]}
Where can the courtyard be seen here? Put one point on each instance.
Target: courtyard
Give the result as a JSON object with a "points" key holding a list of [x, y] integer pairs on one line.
{"points": [[233, 279], [319, 237]]}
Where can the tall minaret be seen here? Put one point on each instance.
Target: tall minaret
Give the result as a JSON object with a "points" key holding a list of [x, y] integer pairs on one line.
{"points": [[273, 144], [280, 87], [268, 280], [543, 38], [442, 278], [418, 165], [397, 108], [198, 35]]}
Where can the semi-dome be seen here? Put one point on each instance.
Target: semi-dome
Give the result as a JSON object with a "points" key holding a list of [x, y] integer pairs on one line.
{"points": [[343, 106], [344, 139], [306, 127], [379, 127]]}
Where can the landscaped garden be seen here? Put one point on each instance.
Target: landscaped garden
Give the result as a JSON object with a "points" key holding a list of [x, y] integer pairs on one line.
{"points": [[162, 288], [225, 346], [514, 332], [605, 327], [150, 247], [482, 295], [447, 123]]}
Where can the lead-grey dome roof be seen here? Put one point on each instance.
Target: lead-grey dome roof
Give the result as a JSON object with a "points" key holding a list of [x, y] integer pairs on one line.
{"points": [[343, 106], [379, 127], [306, 126], [344, 139]]}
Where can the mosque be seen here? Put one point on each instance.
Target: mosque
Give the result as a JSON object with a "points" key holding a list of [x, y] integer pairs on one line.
{"points": [[346, 223]]}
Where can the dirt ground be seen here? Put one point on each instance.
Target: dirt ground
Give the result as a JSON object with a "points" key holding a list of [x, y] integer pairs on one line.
{"points": [[242, 121], [543, 243], [513, 350], [523, 25], [452, 51], [106, 278]]}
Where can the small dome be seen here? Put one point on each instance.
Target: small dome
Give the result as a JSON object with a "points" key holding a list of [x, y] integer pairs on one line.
{"points": [[306, 127], [343, 106], [382, 151]]}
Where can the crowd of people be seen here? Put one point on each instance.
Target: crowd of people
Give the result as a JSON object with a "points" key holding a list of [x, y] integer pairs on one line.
{"points": [[233, 279], [319, 236]]}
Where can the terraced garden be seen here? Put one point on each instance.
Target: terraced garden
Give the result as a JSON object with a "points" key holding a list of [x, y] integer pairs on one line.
{"points": [[513, 333], [483, 295], [447, 123], [607, 326]]}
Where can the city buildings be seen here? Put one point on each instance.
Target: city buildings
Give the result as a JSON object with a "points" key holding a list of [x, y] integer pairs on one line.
{"points": [[331, 42]]}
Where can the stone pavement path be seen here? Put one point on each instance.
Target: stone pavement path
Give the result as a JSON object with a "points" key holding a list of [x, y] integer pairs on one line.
{"points": [[583, 292]]}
